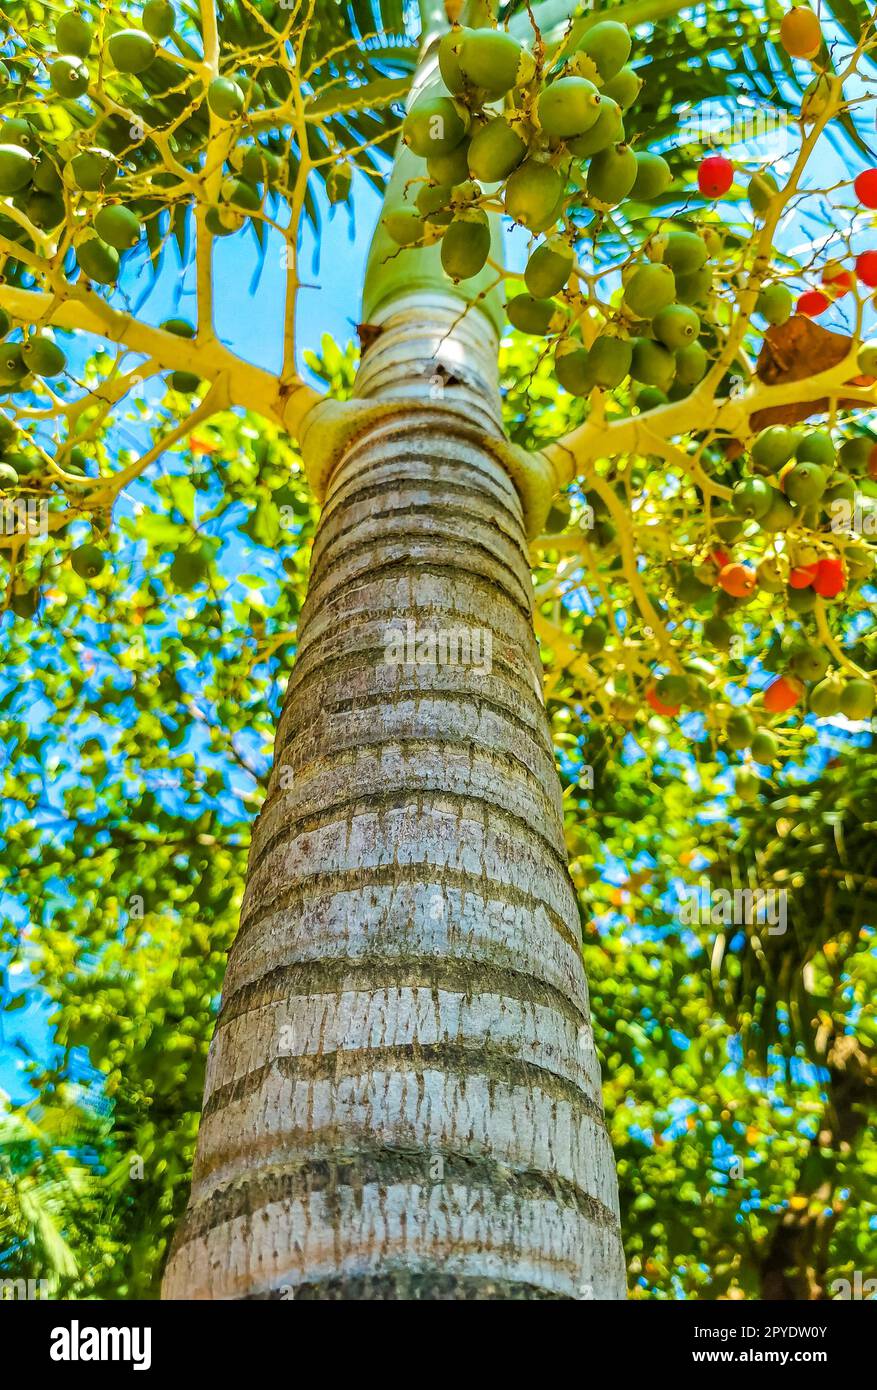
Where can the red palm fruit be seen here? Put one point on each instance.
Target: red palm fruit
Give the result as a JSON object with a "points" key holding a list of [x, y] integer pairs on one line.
{"points": [[803, 576], [720, 558], [658, 705], [737, 580], [866, 268], [813, 303], [866, 188], [715, 176], [782, 695], [830, 579], [837, 279]]}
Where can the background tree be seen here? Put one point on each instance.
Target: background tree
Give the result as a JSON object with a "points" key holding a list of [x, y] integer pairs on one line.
{"points": [[246, 157]]}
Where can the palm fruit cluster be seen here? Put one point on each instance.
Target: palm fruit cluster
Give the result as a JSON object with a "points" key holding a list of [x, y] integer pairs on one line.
{"points": [[90, 189], [791, 539], [547, 144]]}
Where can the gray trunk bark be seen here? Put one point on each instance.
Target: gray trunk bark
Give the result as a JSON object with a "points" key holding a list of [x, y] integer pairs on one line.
{"points": [[403, 1098]]}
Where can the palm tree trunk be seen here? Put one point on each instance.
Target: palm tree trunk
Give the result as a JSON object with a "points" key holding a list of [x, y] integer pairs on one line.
{"points": [[402, 1097]]}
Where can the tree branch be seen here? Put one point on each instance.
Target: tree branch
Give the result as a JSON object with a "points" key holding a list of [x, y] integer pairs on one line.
{"points": [[76, 308]]}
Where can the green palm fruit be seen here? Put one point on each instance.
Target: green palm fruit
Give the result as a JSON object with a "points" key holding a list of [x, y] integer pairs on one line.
{"points": [[769, 577], [225, 98], [653, 176], [751, 498], [254, 93], [652, 364], [609, 361], [46, 176], [689, 587], [435, 125], [684, 252], [16, 168], [672, 689], [449, 60], [719, 633], [158, 19], [495, 151], [452, 167], [842, 490], [17, 131], [339, 181], [779, 515], [592, 638], [532, 193], [855, 453], [131, 51], [765, 749], [611, 175], [43, 357], [45, 210], [259, 165], [802, 600], [549, 268], [825, 697], [185, 382], [773, 447], [727, 525], [859, 561], [223, 221], [694, 288], [691, 364], [405, 226], [98, 261], [466, 244], [857, 699], [809, 662], [739, 729], [761, 189], [433, 203], [568, 106], [181, 328], [87, 561], [240, 194], [494, 60], [747, 784], [817, 447], [816, 98], [572, 367], [650, 397], [866, 359], [73, 35], [12, 364], [91, 171], [676, 326], [531, 315], [608, 129], [8, 477], [805, 483], [69, 76], [649, 290], [119, 227], [775, 303], [607, 44], [624, 88]]}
